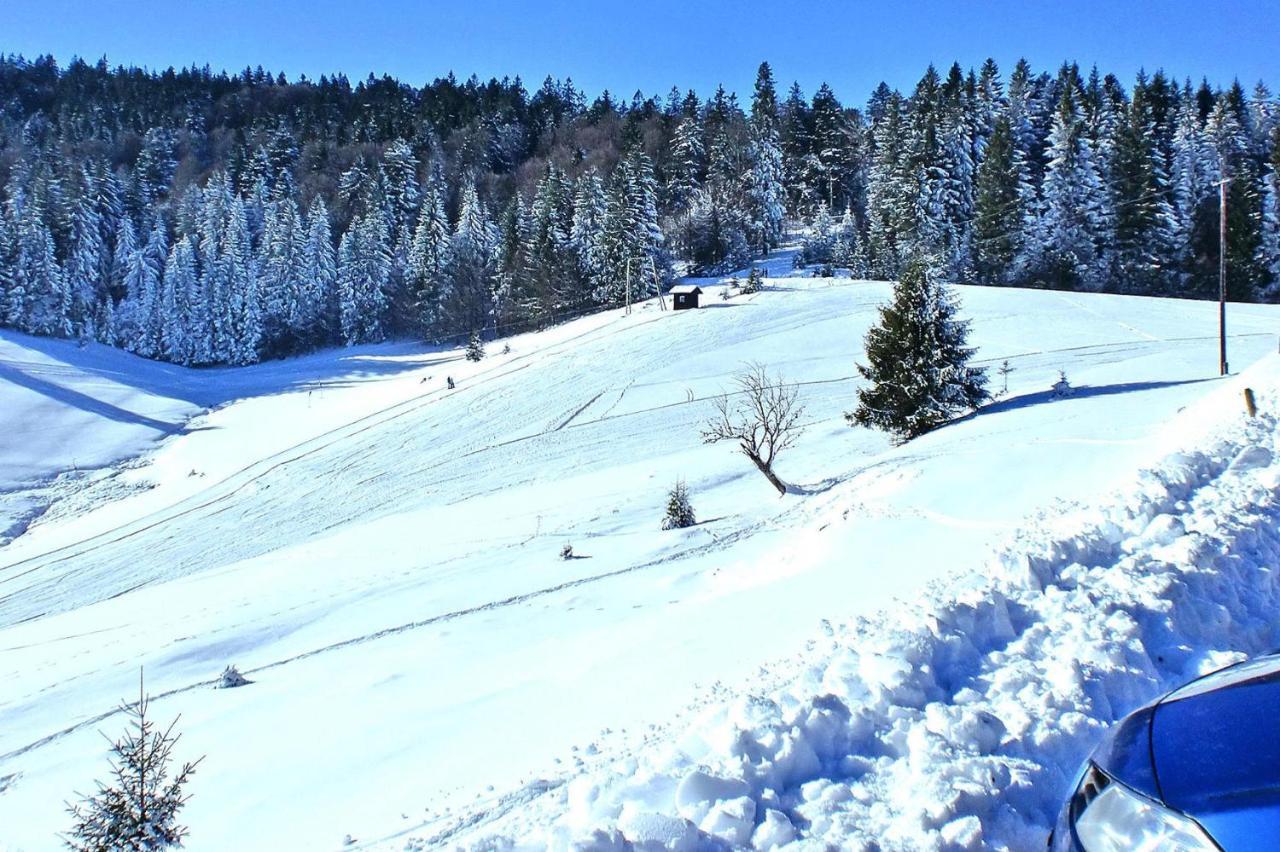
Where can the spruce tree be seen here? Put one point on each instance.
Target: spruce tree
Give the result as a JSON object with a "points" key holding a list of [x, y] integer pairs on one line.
{"points": [[475, 347], [137, 811], [679, 514], [318, 304], [426, 261], [917, 361], [469, 290], [999, 214]]}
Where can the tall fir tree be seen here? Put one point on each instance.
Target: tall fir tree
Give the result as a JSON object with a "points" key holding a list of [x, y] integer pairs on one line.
{"points": [[918, 361]]}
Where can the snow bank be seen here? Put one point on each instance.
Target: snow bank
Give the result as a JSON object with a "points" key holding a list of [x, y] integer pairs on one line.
{"points": [[957, 722]]}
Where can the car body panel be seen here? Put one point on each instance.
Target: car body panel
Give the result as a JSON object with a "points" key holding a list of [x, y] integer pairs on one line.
{"points": [[1216, 750]]}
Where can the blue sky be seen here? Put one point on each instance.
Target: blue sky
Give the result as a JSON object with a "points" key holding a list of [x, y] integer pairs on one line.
{"points": [[623, 46]]}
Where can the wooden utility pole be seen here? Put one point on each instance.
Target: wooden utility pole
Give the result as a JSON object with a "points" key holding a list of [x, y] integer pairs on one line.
{"points": [[1222, 277]]}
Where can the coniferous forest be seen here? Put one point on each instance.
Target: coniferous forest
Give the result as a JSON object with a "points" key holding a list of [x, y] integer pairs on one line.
{"points": [[208, 218]]}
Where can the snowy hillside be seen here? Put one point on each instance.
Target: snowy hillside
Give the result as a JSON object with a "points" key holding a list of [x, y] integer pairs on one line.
{"points": [[380, 555]]}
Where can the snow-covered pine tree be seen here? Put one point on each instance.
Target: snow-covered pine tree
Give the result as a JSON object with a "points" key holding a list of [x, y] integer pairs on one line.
{"points": [[281, 264], [137, 811], [364, 270], [818, 243], [184, 309], [1233, 160], [83, 267], [400, 169], [765, 192], [243, 319], [679, 513], [796, 136], [475, 347], [470, 268], [999, 213], [1269, 244], [688, 161], [426, 261], [1143, 232], [584, 238], [10, 298], [317, 321], [890, 198], [38, 296], [546, 279], [917, 360], [1071, 230]]}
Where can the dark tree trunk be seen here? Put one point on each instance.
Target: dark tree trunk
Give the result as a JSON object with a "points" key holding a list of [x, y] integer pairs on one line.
{"points": [[768, 472]]}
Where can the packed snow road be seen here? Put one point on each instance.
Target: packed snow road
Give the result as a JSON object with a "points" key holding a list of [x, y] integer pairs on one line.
{"points": [[381, 554]]}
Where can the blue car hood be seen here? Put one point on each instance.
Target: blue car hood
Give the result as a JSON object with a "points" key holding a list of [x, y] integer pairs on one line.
{"points": [[1215, 746]]}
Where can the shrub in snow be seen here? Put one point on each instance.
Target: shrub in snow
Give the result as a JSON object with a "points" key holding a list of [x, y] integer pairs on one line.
{"points": [[506, 349], [679, 511], [918, 363], [1062, 387], [755, 281], [566, 552], [138, 809], [231, 678], [475, 347]]}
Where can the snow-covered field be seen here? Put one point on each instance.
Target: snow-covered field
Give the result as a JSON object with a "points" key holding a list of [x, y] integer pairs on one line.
{"points": [[916, 646]]}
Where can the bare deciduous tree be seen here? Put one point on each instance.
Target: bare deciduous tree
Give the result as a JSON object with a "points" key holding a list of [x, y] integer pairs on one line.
{"points": [[762, 415]]}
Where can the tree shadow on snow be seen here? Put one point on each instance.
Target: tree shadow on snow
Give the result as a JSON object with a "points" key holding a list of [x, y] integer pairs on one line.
{"points": [[83, 401], [1027, 400], [209, 386]]}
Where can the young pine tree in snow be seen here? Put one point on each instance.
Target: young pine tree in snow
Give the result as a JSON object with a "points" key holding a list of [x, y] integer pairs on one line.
{"points": [[137, 811], [917, 361], [475, 347], [820, 240], [679, 512]]}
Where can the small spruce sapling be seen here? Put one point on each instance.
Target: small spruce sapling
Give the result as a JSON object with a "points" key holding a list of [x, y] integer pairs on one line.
{"points": [[475, 347], [679, 510], [1062, 387], [1004, 372], [566, 552], [755, 281], [138, 809]]}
